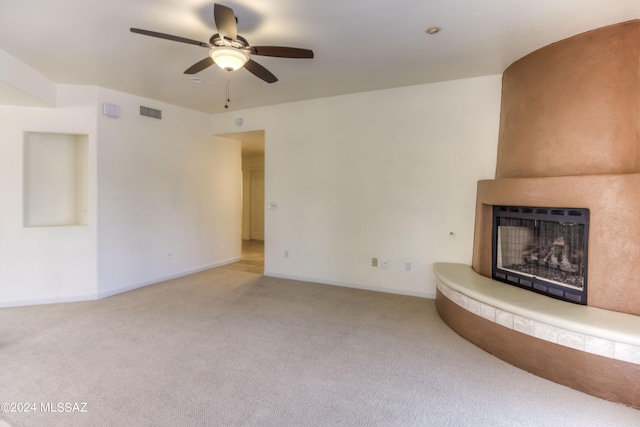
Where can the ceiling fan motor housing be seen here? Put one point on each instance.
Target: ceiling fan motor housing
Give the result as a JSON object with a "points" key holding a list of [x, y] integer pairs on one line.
{"points": [[239, 43]]}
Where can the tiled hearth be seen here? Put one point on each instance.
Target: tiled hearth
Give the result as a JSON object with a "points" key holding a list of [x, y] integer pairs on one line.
{"points": [[589, 329], [587, 348]]}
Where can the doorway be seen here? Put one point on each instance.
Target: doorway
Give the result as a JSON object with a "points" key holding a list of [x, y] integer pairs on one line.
{"points": [[253, 183]]}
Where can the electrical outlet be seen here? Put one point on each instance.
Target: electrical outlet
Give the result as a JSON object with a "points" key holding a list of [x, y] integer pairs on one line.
{"points": [[407, 266], [385, 263], [286, 253], [169, 254], [374, 262]]}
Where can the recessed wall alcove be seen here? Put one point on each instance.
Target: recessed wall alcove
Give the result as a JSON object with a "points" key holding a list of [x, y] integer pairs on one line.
{"points": [[56, 179], [570, 138]]}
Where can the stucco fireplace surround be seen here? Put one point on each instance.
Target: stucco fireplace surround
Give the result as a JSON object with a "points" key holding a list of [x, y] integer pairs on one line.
{"points": [[569, 139]]}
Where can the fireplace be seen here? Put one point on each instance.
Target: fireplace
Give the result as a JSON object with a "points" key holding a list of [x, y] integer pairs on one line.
{"points": [[542, 249], [568, 137]]}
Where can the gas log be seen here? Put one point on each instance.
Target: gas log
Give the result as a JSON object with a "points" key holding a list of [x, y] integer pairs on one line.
{"points": [[555, 255]]}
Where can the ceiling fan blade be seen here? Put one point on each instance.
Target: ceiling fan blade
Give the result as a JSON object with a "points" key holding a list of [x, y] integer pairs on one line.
{"points": [[259, 71], [226, 22], [169, 37], [281, 52], [199, 66]]}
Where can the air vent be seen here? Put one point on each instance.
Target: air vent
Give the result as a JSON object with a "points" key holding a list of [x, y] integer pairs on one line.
{"points": [[150, 112]]}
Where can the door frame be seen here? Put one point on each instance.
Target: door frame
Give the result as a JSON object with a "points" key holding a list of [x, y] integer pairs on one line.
{"points": [[252, 208]]}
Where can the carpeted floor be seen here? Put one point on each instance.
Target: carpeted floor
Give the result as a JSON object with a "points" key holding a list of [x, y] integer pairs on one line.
{"points": [[225, 347]]}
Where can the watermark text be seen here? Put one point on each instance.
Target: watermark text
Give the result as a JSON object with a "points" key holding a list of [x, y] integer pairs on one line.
{"points": [[43, 407]]}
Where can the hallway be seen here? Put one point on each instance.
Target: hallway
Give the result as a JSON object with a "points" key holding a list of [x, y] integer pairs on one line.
{"points": [[252, 258]]}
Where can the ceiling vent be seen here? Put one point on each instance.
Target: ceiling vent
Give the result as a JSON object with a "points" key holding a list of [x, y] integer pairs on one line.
{"points": [[150, 112]]}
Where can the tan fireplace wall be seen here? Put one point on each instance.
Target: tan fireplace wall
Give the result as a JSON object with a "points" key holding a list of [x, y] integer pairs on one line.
{"points": [[573, 107], [570, 138]]}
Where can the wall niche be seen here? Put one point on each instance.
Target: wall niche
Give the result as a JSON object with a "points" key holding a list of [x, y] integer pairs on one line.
{"points": [[56, 179]]}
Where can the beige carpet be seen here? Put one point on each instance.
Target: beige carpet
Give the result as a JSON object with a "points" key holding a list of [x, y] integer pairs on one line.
{"points": [[230, 348]]}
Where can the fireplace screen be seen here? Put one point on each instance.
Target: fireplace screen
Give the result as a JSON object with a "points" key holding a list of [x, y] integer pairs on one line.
{"points": [[542, 249]]}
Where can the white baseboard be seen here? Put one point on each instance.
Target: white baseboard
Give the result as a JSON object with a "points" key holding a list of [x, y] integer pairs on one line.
{"points": [[99, 295], [41, 301], [164, 278], [420, 294]]}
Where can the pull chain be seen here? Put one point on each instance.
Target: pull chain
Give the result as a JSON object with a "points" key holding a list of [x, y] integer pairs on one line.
{"points": [[226, 105]]}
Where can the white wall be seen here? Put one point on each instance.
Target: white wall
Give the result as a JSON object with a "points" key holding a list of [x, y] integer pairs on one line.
{"points": [[385, 174], [388, 174], [163, 185], [154, 185], [45, 264]]}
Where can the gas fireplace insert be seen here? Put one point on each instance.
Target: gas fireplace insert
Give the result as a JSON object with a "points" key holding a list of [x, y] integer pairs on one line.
{"points": [[543, 250]]}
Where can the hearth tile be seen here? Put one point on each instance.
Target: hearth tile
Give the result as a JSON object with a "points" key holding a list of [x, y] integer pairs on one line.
{"points": [[461, 299], [627, 352], [522, 324], [475, 306], [571, 339], [446, 291], [545, 332], [504, 318], [488, 312], [599, 346], [450, 292]]}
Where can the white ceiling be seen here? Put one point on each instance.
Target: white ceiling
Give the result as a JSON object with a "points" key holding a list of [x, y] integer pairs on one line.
{"points": [[359, 45]]}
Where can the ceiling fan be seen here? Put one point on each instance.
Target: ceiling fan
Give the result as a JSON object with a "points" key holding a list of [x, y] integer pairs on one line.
{"points": [[229, 50]]}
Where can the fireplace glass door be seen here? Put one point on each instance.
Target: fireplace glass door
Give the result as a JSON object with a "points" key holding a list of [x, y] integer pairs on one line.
{"points": [[542, 249]]}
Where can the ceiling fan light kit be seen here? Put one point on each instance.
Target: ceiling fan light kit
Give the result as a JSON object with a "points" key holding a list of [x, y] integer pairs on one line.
{"points": [[229, 50], [228, 58]]}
